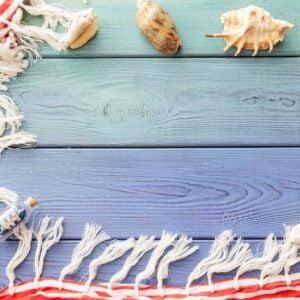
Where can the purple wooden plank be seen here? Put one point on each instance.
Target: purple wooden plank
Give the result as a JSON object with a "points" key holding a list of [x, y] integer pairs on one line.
{"points": [[130, 192]]}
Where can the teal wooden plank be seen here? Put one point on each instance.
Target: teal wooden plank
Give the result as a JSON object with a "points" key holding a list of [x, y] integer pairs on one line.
{"points": [[119, 35], [200, 192], [161, 102], [60, 255]]}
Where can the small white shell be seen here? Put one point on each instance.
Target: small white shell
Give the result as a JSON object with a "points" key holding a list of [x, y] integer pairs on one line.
{"points": [[158, 27], [251, 28]]}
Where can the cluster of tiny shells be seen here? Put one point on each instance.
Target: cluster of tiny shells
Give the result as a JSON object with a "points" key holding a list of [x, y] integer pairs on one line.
{"points": [[250, 28]]}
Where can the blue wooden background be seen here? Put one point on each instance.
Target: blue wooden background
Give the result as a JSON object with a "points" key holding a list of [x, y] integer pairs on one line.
{"points": [[139, 142]]}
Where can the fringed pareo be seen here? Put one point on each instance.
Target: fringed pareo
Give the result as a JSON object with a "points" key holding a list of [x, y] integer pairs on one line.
{"points": [[20, 41], [228, 253]]}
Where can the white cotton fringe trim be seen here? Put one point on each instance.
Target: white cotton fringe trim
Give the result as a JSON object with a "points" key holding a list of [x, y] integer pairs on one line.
{"points": [[271, 249], [92, 237], [24, 235], [10, 125], [165, 242], [142, 246], [181, 250], [111, 253], [218, 253], [48, 235], [8, 196]]}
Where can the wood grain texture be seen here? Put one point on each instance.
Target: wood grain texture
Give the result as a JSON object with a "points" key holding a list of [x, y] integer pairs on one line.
{"points": [[60, 255], [161, 102], [200, 192], [119, 35]]}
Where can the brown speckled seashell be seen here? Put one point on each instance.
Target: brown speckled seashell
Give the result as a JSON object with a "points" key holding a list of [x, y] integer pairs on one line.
{"points": [[251, 28], [158, 27]]}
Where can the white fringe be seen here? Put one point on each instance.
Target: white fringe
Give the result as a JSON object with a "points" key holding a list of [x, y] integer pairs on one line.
{"points": [[25, 237], [181, 250], [53, 15], [92, 237], [218, 253], [110, 253], [239, 254], [8, 196], [142, 246], [288, 256], [47, 236], [165, 242], [271, 249], [10, 124]]}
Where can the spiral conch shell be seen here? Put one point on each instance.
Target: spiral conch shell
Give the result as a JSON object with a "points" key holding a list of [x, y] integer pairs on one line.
{"points": [[158, 27], [252, 28]]}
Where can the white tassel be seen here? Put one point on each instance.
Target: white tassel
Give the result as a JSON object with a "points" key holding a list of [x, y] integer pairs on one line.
{"points": [[92, 237], [271, 249], [8, 196], [47, 236], [142, 246], [111, 253], [218, 253], [287, 257], [14, 56], [25, 237], [10, 123], [53, 15], [238, 255], [181, 250], [294, 235], [165, 242]]}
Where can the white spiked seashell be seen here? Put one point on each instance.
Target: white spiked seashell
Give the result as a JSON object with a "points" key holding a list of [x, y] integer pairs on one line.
{"points": [[158, 27], [252, 28]]}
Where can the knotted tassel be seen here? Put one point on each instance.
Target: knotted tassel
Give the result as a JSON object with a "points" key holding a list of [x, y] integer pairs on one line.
{"points": [[218, 253], [10, 124], [47, 236], [288, 256], [142, 246], [239, 254], [92, 237], [165, 242], [181, 250], [111, 253], [25, 237], [8, 196], [271, 249]]}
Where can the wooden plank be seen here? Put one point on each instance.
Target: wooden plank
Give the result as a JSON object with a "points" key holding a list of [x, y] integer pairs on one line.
{"points": [[161, 102], [200, 192], [60, 255], [119, 35]]}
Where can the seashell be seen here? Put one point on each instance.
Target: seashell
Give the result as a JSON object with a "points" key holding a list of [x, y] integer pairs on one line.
{"points": [[252, 28], [89, 33], [158, 26], [83, 28]]}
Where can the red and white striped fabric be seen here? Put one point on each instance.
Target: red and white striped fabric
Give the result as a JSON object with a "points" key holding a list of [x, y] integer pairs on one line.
{"points": [[276, 288], [7, 10]]}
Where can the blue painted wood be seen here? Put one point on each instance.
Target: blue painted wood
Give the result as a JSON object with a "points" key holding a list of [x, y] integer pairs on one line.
{"points": [[119, 35], [60, 255], [200, 192], [161, 102]]}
